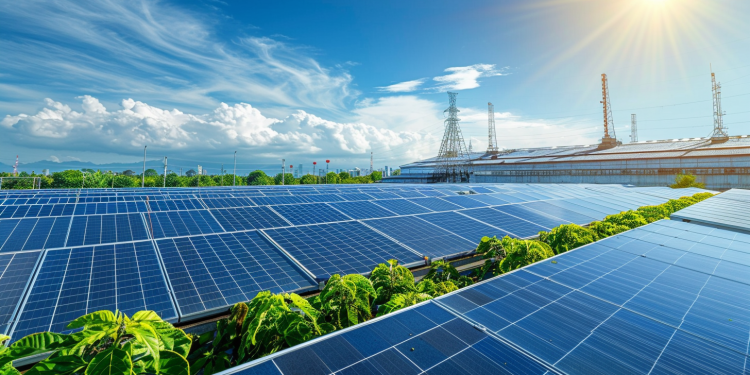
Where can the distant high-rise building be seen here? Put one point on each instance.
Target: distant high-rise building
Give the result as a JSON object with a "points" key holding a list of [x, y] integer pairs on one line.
{"points": [[45, 172], [385, 172]]}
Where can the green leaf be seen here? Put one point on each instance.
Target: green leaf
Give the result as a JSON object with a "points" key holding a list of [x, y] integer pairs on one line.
{"points": [[146, 316], [172, 363], [36, 344], [67, 364], [103, 317], [146, 336], [110, 362], [8, 369]]}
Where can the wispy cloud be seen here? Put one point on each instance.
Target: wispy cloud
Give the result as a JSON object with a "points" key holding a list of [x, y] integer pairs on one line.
{"points": [[466, 77], [407, 86], [160, 53]]}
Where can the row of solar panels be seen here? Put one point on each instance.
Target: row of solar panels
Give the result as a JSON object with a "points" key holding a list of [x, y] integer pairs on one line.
{"points": [[187, 264], [666, 298]]}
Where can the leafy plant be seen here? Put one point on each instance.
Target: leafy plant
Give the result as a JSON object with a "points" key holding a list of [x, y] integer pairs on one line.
{"points": [[630, 219], [444, 287], [604, 229], [569, 236], [505, 255], [702, 196], [441, 270], [685, 181], [109, 343], [655, 213], [401, 300], [492, 251], [391, 279], [6, 365], [346, 301], [217, 350]]}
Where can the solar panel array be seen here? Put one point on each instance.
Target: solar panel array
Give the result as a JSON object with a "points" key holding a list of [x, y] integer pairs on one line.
{"points": [[188, 252], [728, 210], [666, 298]]}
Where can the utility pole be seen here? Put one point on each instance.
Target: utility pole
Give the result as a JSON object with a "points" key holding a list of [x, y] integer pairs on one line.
{"points": [[84, 180], [222, 174], [492, 137], [165, 171], [371, 162], [327, 161], [609, 123], [313, 171], [633, 129], [143, 176], [283, 170], [180, 171], [234, 174]]}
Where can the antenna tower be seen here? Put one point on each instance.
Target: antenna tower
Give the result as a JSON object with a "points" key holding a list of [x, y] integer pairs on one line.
{"points": [[371, 170], [492, 143], [453, 161], [633, 129], [608, 141], [15, 167], [470, 148], [720, 132]]}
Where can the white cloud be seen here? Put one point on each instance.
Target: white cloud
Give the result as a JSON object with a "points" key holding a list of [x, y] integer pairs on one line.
{"points": [[54, 159], [161, 53], [228, 127], [407, 86], [466, 77]]}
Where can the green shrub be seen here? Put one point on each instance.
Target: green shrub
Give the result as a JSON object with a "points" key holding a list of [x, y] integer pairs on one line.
{"points": [[604, 229], [402, 300], [685, 181], [346, 301], [683, 202], [630, 219], [702, 196], [391, 279], [569, 236], [654, 213]]}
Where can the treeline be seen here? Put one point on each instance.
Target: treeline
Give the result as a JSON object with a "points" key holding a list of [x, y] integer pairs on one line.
{"points": [[74, 179]]}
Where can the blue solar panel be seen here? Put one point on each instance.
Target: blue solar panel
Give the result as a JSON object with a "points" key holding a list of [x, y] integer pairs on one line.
{"points": [[310, 213], [489, 199], [355, 197], [227, 202], [362, 210], [516, 227], [216, 271], [465, 201], [110, 208], [324, 198], [431, 193], [174, 205], [402, 207], [101, 229], [33, 234], [533, 216], [36, 210], [384, 195], [264, 201], [508, 197], [423, 340], [463, 226], [559, 212], [340, 248], [245, 218], [15, 273], [182, 223], [74, 282], [408, 194], [422, 236], [435, 204]]}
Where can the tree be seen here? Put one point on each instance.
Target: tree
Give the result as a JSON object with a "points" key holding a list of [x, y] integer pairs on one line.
{"points": [[391, 279], [654, 213], [151, 173], [508, 254], [332, 178], [69, 179], [191, 173], [604, 229], [376, 175], [128, 172], [569, 236], [346, 301], [429, 287], [685, 181], [702, 196], [396, 172], [255, 175], [109, 343], [288, 179], [308, 179], [343, 175]]}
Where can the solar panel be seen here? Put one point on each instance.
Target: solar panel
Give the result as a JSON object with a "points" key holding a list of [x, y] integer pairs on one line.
{"points": [[435, 204], [356, 197], [275, 200], [174, 205], [101, 229], [384, 195], [422, 236], [489, 199], [36, 210], [227, 202], [310, 213], [245, 218], [726, 212], [408, 194], [15, 273], [402, 207], [74, 282], [33, 234], [431, 193], [559, 212], [465, 201], [516, 227], [339, 248], [182, 223], [216, 271], [362, 210], [324, 198], [463, 226], [533, 216]]}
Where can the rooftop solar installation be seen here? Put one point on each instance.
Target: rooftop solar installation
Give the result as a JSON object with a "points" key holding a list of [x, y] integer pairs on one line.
{"points": [[463, 226], [339, 248], [362, 210], [562, 213], [246, 218], [465, 201], [73, 282], [33, 234], [727, 210], [101, 229], [216, 271], [515, 226], [314, 213], [422, 237], [529, 214], [16, 270], [616, 306], [182, 223], [402, 207], [435, 204]]}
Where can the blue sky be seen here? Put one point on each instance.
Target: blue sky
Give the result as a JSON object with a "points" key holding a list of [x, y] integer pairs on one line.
{"points": [[307, 80]]}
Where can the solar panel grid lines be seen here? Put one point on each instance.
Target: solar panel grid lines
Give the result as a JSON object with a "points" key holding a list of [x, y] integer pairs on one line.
{"points": [[463, 226], [312, 213], [361, 209], [545, 208], [402, 206], [16, 272]]}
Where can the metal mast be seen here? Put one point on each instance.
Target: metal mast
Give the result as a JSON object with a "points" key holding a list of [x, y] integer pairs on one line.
{"points": [[608, 141], [371, 162], [492, 143], [633, 129], [15, 167], [720, 132], [453, 162]]}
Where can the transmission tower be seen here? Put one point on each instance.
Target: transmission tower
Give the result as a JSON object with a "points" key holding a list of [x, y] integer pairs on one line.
{"points": [[492, 143], [471, 149], [453, 161], [720, 132], [633, 129], [15, 167], [608, 141]]}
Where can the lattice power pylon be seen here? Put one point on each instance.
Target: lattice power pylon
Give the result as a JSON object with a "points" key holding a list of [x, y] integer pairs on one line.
{"points": [[492, 141], [453, 162], [609, 140], [633, 129], [720, 132]]}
